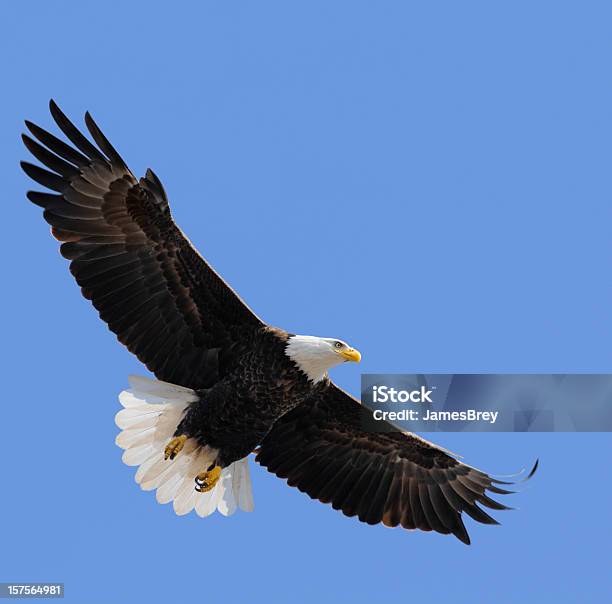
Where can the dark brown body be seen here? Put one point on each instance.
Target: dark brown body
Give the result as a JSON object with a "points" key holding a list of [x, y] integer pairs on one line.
{"points": [[257, 384]]}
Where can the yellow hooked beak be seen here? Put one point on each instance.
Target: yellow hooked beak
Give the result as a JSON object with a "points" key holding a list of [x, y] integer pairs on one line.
{"points": [[350, 354]]}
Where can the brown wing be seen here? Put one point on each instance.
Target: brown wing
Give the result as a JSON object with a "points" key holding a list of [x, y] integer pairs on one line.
{"points": [[327, 448], [160, 297]]}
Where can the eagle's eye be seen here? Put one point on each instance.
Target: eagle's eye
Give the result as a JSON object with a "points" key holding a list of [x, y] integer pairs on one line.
{"points": [[338, 344]]}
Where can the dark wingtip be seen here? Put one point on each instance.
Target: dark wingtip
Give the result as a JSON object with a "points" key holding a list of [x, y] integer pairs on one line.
{"points": [[31, 126], [90, 122], [461, 532], [56, 112], [493, 504], [533, 470], [499, 491], [40, 199], [531, 473], [54, 109], [102, 142]]}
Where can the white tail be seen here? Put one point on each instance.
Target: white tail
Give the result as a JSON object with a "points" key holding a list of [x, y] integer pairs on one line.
{"points": [[152, 410]]}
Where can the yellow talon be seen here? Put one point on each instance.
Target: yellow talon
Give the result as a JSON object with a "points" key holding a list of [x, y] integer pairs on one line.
{"points": [[206, 481], [173, 448]]}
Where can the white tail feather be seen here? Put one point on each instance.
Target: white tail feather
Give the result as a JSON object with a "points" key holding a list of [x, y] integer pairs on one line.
{"points": [[151, 412]]}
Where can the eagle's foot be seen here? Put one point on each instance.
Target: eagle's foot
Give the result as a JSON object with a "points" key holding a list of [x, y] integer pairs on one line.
{"points": [[206, 481], [173, 448]]}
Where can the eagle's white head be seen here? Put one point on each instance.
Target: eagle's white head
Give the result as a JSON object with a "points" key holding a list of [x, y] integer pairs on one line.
{"points": [[315, 356]]}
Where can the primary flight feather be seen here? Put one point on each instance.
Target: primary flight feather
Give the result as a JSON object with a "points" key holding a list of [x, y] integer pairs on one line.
{"points": [[227, 383]]}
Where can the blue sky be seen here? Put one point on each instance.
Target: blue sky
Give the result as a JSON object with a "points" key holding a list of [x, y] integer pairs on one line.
{"points": [[429, 181]]}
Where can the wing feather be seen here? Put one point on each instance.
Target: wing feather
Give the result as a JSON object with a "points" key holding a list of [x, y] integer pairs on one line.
{"points": [[331, 448], [148, 283]]}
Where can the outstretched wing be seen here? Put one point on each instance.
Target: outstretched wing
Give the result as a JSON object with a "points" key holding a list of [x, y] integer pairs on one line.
{"points": [[327, 448], [160, 297]]}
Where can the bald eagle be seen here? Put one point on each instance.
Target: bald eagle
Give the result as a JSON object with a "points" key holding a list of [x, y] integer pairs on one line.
{"points": [[227, 383]]}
